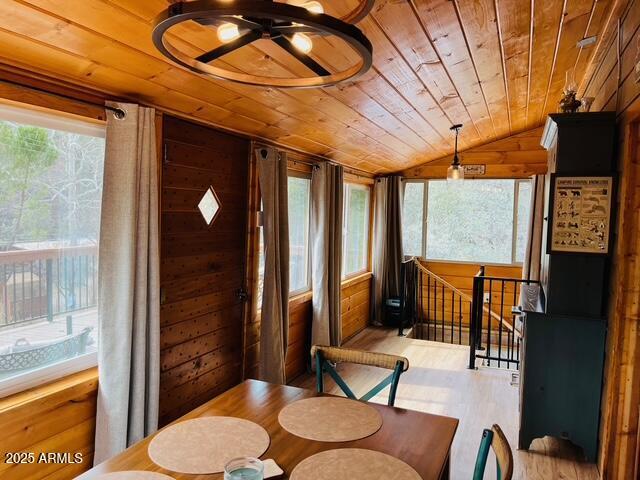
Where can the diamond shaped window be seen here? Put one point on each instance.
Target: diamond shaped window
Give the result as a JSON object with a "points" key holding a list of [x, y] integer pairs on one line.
{"points": [[209, 206]]}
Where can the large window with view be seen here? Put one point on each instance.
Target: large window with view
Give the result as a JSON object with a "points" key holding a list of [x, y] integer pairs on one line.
{"points": [[50, 198], [477, 221], [355, 231]]}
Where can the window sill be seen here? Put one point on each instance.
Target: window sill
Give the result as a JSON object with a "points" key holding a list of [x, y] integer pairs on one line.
{"points": [[298, 298], [356, 278], [47, 374], [88, 378], [464, 262]]}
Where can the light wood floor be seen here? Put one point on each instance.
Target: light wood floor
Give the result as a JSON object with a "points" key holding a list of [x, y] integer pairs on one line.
{"points": [[439, 382]]}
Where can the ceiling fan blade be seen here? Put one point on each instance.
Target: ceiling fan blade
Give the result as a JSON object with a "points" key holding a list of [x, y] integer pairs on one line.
{"points": [[302, 57], [225, 48]]}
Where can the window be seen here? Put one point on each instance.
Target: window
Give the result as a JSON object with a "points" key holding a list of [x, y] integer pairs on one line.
{"points": [[355, 249], [299, 211], [299, 198], [480, 221], [50, 199], [413, 218]]}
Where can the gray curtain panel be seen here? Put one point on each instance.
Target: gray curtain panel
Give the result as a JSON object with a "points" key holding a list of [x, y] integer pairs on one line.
{"points": [[327, 191], [274, 326], [129, 285], [530, 294], [387, 242]]}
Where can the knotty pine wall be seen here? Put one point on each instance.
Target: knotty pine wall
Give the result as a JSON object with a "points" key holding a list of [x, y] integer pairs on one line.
{"points": [[460, 275], [59, 417], [355, 317], [517, 156], [612, 83]]}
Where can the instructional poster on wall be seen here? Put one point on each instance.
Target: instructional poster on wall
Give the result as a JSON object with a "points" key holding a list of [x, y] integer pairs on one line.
{"points": [[581, 214]]}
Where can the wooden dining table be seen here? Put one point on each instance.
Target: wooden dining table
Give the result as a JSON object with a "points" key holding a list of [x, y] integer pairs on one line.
{"points": [[421, 440]]}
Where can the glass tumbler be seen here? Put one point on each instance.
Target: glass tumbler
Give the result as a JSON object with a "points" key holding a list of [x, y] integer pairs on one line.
{"points": [[244, 468]]}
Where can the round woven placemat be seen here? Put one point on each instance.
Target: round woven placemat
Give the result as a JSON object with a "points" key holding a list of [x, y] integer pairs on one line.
{"points": [[205, 445], [351, 464], [330, 419], [134, 475]]}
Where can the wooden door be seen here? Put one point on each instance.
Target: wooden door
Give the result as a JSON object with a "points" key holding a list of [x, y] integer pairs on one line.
{"points": [[202, 267]]}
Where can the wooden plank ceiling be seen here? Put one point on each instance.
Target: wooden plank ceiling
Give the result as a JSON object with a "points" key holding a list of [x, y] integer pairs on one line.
{"points": [[497, 66]]}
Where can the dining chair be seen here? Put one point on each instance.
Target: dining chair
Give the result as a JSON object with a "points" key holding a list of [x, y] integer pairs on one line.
{"points": [[496, 440], [326, 357]]}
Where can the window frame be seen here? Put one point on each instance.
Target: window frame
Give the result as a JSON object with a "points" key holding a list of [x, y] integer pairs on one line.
{"points": [[307, 287], [516, 219], [54, 120], [514, 231], [367, 240]]}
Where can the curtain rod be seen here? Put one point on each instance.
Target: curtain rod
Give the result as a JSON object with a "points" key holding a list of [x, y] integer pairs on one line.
{"points": [[311, 163], [117, 112], [347, 170]]}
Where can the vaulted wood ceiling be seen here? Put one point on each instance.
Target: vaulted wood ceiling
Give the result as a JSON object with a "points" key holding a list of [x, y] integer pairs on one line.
{"points": [[498, 66]]}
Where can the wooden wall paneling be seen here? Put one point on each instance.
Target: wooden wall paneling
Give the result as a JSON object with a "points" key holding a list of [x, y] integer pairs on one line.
{"points": [[416, 73], [300, 315], [413, 73], [514, 25], [605, 37], [516, 156], [621, 393], [202, 267], [356, 305], [598, 19], [441, 21], [435, 63], [603, 85], [162, 73], [610, 80], [20, 94], [612, 83], [547, 18], [480, 27], [58, 417], [574, 26], [397, 138]]}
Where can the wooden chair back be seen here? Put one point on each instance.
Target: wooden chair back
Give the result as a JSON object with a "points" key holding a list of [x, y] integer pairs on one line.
{"points": [[494, 439], [325, 356]]}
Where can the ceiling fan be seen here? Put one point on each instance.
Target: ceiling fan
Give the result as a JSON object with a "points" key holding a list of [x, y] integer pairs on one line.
{"points": [[292, 26]]}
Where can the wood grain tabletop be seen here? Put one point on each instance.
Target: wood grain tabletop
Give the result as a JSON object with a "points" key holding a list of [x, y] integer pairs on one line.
{"points": [[421, 440]]}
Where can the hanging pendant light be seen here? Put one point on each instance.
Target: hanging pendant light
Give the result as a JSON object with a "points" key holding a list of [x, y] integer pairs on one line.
{"points": [[456, 171]]}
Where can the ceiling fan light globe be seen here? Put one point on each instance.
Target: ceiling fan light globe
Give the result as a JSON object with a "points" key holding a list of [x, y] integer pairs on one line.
{"points": [[302, 42], [228, 32]]}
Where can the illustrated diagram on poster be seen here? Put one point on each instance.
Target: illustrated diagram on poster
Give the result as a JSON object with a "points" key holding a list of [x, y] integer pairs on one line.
{"points": [[581, 214]]}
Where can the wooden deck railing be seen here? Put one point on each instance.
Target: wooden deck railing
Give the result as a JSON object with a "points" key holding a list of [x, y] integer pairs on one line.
{"points": [[44, 283]]}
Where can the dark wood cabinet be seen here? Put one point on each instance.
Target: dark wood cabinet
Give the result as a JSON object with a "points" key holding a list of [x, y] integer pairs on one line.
{"points": [[563, 346]]}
